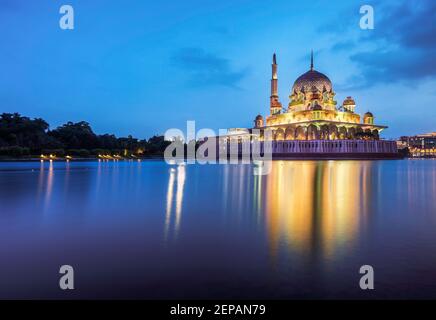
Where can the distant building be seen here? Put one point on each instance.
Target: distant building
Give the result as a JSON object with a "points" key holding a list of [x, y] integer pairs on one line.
{"points": [[421, 145]]}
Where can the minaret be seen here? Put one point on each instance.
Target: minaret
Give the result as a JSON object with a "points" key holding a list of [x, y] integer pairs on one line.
{"points": [[275, 105], [274, 91]]}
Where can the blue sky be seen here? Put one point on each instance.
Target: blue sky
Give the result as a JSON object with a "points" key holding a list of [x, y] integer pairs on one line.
{"points": [[140, 67]]}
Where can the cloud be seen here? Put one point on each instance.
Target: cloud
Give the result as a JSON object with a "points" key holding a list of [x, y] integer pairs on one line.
{"points": [[206, 69], [410, 24], [403, 44], [343, 45], [396, 65]]}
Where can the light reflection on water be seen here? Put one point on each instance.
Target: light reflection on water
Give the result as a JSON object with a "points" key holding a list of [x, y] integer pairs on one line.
{"points": [[176, 182], [172, 231], [307, 198]]}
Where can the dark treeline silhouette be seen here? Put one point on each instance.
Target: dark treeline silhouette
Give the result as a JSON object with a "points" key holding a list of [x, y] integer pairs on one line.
{"points": [[21, 136]]}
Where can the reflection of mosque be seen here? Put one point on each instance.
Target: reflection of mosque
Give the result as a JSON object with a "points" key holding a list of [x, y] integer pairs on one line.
{"points": [[308, 207], [316, 204]]}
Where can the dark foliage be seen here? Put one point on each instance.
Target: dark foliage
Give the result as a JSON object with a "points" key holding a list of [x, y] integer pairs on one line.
{"points": [[22, 136]]}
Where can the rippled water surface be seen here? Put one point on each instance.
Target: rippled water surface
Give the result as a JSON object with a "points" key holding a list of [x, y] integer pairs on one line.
{"points": [[152, 230]]}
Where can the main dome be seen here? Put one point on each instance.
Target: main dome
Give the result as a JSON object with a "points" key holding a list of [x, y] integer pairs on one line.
{"points": [[310, 79]]}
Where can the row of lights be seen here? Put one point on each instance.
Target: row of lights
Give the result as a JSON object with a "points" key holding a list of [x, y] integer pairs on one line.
{"points": [[52, 157]]}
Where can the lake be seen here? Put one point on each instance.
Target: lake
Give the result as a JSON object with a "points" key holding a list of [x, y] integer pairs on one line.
{"points": [[151, 230]]}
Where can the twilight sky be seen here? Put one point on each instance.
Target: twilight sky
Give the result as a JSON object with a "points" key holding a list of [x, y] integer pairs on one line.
{"points": [[140, 67]]}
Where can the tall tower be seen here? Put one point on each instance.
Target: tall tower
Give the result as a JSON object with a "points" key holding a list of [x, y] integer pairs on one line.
{"points": [[275, 105]]}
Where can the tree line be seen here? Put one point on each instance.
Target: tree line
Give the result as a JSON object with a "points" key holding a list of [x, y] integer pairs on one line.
{"points": [[23, 137]]}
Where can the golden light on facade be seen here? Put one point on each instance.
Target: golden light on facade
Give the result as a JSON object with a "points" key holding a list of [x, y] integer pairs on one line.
{"points": [[313, 106]]}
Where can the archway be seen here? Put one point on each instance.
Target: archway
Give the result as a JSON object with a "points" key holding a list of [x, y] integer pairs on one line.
{"points": [[312, 132], [333, 132], [351, 133], [290, 133], [324, 132], [300, 133], [342, 133], [279, 134], [359, 133]]}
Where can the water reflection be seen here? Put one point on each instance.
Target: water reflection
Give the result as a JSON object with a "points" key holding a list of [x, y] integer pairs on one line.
{"points": [[257, 196], [49, 184], [45, 184], [302, 231], [176, 181], [316, 205], [237, 199]]}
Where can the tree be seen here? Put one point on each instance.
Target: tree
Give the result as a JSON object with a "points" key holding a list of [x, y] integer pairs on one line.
{"points": [[76, 135], [23, 136], [16, 130]]}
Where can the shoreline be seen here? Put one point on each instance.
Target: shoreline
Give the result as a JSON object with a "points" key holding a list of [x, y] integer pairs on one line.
{"points": [[37, 159], [275, 158]]}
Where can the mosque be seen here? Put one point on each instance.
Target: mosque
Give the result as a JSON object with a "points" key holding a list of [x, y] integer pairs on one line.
{"points": [[314, 123], [313, 113]]}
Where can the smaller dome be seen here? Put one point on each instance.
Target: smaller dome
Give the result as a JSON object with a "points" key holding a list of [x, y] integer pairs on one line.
{"points": [[317, 107], [368, 114], [259, 117], [349, 101]]}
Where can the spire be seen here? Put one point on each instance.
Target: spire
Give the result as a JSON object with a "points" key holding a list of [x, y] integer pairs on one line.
{"points": [[311, 60], [274, 68]]}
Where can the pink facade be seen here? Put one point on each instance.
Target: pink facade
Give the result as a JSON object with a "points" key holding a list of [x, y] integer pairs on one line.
{"points": [[343, 149], [333, 146]]}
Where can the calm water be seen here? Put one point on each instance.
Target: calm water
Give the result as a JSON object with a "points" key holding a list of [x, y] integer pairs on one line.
{"points": [[151, 230]]}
